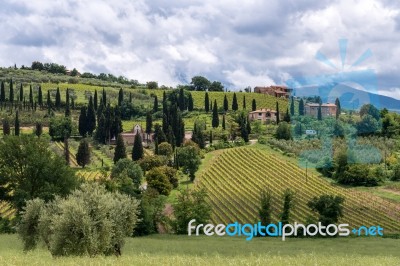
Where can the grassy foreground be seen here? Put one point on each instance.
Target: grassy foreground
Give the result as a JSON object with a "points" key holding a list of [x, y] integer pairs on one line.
{"points": [[184, 250]]}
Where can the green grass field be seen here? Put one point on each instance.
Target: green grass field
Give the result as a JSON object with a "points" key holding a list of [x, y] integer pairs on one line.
{"points": [[185, 250]]}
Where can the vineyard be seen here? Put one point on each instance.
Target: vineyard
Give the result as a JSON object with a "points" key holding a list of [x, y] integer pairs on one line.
{"points": [[6, 210], [236, 177]]}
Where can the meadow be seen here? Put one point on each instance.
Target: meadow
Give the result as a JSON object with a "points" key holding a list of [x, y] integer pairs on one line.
{"points": [[201, 250]]}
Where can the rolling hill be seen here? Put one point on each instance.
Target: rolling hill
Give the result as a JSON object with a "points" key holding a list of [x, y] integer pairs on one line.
{"points": [[235, 178]]}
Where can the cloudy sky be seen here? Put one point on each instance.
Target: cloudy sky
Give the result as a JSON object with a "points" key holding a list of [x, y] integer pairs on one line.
{"points": [[240, 43]]}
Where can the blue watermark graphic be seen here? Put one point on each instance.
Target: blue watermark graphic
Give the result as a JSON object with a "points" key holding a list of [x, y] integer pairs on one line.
{"points": [[281, 230]]}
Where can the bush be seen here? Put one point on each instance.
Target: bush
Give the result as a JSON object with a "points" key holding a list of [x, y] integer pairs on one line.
{"points": [[90, 221], [158, 180]]}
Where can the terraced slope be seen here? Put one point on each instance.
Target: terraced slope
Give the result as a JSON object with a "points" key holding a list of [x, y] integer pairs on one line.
{"points": [[236, 177]]}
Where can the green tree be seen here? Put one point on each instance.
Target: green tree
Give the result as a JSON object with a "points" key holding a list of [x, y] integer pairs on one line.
{"points": [[215, 117], [369, 109], [67, 110], [152, 161], [287, 205], [95, 101], [155, 104], [329, 208], [38, 128], [200, 83], [90, 117], [91, 221], [152, 85], [82, 126], [6, 127], [60, 128], [338, 108], [283, 131], [206, 102], [265, 211], [301, 107], [277, 113], [235, 106], [120, 150], [368, 125], [11, 94], [244, 102], [286, 117], [29, 169], [292, 106], [58, 98], [190, 204], [319, 114], [149, 124], [40, 96], [190, 103], [137, 150], [225, 103], [30, 95], [158, 180], [83, 154], [126, 169], [198, 135], [188, 157], [223, 122], [253, 105], [181, 100], [2, 92], [16, 124], [120, 97], [216, 86], [165, 149], [49, 104]]}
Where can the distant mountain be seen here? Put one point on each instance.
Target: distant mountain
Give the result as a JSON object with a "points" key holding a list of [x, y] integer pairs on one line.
{"points": [[350, 98]]}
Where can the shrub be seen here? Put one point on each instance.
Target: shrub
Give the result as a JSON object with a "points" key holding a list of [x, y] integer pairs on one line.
{"points": [[90, 221]]}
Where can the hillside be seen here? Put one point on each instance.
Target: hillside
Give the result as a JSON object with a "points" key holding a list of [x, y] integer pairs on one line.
{"points": [[235, 178]]}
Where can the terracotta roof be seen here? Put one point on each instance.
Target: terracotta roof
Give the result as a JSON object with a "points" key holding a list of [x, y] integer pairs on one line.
{"points": [[263, 110]]}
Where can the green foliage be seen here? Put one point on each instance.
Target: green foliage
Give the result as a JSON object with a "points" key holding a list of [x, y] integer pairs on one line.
{"points": [[283, 131], [90, 117], [225, 103], [6, 126], [253, 105], [265, 210], [234, 103], [165, 149], [329, 208], [206, 102], [120, 150], [82, 122], [157, 179], [16, 124], [367, 126], [369, 109], [90, 221], [216, 86], [200, 83], [38, 128], [288, 196], [215, 117], [319, 114], [83, 154], [137, 150], [190, 204], [149, 162], [198, 133], [152, 85], [60, 128], [301, 107], [30, 170], [188, 157], [129, 173], [292, 106]]}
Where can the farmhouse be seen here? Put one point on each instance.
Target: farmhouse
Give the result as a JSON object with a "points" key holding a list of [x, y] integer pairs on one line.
{"points": [[327, 109], [129, 137], [264, 115], [279, 91]]}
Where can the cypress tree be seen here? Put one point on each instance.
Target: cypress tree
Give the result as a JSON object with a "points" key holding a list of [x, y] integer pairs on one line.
{"points": [[287, 205], [2, 92], [67, 110], [38, 128], [223, 122], [48, 99], [248, 126], [40, 97], [301, 107], [190, 103], [265, 208], [243, 131], [130, 97], [225, 103], [319, 114], [338, 108], [120, 150], [58, 98], [181, 100], [149, 124], [286, 117], [215, 118], [159, 135], [211, 105], [100, 131], [235, 106], [155, 104], [198, 136], [244, 102], [95, 102], [11, 92], [16, 125], [170, 136], [120, 97], [30, 95], [21, 93], [292, 107], [83, 154], [206, 102], [82, 127], [277, 113], [91, 117], [211, 137], [253, 105], [6, 127], [104, 98], [137, 150]]}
